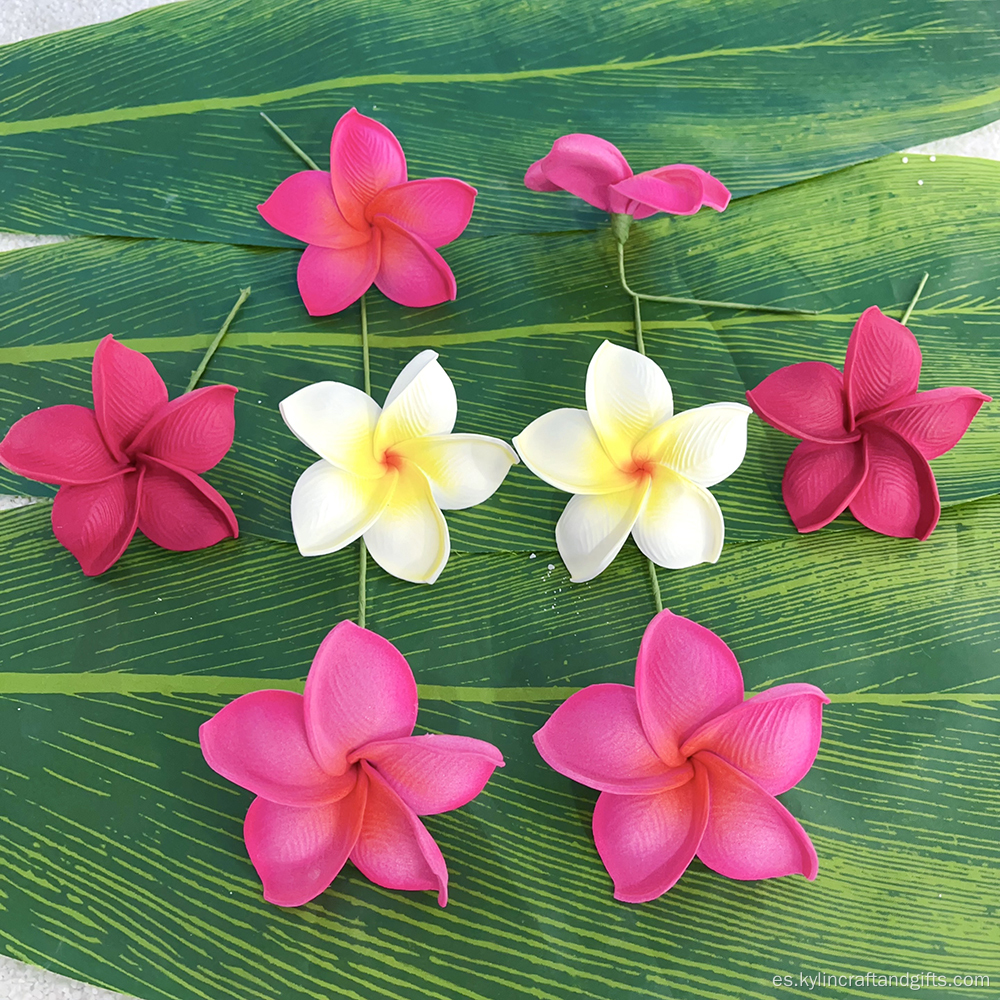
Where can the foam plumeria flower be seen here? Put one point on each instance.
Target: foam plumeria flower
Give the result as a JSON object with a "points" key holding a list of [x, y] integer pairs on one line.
{"points": [[386, 473], [133, 462], [866, 432], [366, 224], [634, 466], [338, 774], [686, 767]]}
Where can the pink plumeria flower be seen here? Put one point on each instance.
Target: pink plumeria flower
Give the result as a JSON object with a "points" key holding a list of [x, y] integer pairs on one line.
{"points": [[131, 463], [338, 774], [686, 767], [366, 224], [866, 433]]}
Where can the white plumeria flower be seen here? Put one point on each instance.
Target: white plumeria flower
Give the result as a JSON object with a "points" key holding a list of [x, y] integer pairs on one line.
{"points": [[635, 467], [387, 473]]}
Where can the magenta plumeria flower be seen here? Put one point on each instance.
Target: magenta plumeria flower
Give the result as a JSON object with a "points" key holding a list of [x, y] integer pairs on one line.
{"points": [[366, 224], [131, 463], [338, 773], [686, 767], [866, 433]]}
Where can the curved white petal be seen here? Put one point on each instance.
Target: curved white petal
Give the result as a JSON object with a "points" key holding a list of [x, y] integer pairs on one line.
{"points": [[332, 507], [592, 529], [410, 539], [706, 444], [338, 422], [421, 402], [627, 395], [680, 524], [463, 469], [563, 448]]}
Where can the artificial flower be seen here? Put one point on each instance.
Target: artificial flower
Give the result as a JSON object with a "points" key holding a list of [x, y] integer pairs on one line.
{"points": [[387, 473], [131, 463], [634, 466], [338, 774], [366, 223], [686, 767], [866, 433]]}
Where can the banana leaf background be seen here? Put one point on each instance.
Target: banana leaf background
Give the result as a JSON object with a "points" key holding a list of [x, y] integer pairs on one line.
{"points": [[121, 853]]}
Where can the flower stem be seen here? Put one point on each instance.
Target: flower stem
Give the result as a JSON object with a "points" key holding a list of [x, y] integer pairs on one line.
{"points": [[291, 144], [363, 550], [657, 598], [214, 346], [916, 295]]}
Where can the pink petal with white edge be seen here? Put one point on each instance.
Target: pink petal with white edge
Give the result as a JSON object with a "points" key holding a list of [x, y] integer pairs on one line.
{"points": [[684, 676], [259, 742], [821, 480], [806, 401], [933, 422], [302, 206], [61, 445], [647, 841], [433, 774], [394, 849], [411, 272], [899, 496], [359, 689], [750, 834], [772, 737], [437, 209], [677, 189], [298, 851], [596, 737], [330, 280], [584, 165]]}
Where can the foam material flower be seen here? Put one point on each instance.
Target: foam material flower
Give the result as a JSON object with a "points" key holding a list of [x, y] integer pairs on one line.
{"points": [[686, 767], [386, 474], [366, 223], [338, 774], [131, 463], [866, 433], [634, 466]]}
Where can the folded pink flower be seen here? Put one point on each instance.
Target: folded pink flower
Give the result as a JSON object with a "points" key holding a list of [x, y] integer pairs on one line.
{"points": [[338, 774], [866, 432], [595, 170], [366, 223], [131, 463], [686, 767]]}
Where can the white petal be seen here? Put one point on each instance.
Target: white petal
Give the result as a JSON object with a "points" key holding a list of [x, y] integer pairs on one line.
{"points": [[331, 507], [410, 538], [338, 422], [592, 529], [706, 444], [627, 396], [421, 402], [563, 448], [680, 524], [463, 469]]}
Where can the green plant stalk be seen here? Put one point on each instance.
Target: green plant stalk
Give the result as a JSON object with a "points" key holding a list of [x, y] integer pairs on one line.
{"points": [[291, 144], [916, 295], [363, 549], [214, 346]]}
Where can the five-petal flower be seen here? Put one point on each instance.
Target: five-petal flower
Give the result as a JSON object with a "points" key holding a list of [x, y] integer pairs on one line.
{"points": [[685, 766], [866, 433], [366, 223], [635, 467], [338, 774], [131, 463]]}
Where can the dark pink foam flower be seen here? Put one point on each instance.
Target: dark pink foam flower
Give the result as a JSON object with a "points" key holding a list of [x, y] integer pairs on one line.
{"points": [[866, 433], [366, 223], [132, 462], [338, 774], [686, 767]]}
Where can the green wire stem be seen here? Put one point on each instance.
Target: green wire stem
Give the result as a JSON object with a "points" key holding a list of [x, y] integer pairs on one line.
{"points": [[214, 346]]}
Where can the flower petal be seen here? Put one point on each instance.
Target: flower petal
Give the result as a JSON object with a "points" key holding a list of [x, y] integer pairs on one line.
{"points": [[592, 529], [394, 849], [411, 271], [806, 401], [302, 206], [750, 834], [772, 737], [59, 444], [596, 737], [584, 165], [259, 742], [437, 209], [410, 539], [331, 508], [421, 403], [359, 689], [365, 158], [330, 280], [933, 422], [647, 841], [899, 496], [535, 179], [677, 189], [821, 480], [684, 676], [128, 390], [882, 363], [433, 774], [627, 396]]}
